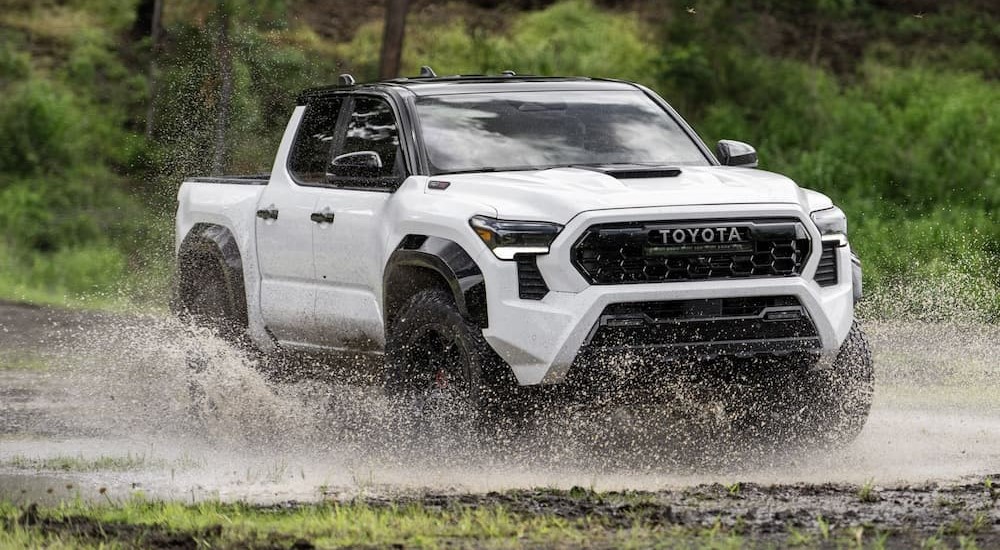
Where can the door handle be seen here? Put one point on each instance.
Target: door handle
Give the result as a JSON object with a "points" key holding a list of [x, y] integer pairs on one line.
{"points": [[269, 213], [322, 217]]}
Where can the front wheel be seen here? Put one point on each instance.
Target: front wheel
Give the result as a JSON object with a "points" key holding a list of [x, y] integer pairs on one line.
{"points": [[822, 407], [439, 365]]}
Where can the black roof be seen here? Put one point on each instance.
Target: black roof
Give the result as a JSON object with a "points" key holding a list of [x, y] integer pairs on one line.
{"points": [[467, 84]]}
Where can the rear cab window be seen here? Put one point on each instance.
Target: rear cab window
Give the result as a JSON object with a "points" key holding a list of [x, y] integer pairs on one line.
{"points": [[314, 141]]}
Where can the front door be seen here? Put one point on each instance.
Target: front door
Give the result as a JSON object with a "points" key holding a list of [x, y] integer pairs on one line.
{"points": [[285, 225], [350, 237]]}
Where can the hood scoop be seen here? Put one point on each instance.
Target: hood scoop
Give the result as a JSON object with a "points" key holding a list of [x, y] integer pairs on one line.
{"points": [[633, 171]]}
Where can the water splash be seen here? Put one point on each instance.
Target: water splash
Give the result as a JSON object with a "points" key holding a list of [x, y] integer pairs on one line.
{"points": [[124, 385]]}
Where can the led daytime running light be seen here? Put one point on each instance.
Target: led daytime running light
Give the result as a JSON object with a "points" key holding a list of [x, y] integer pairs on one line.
{"points": [[507, 238]]}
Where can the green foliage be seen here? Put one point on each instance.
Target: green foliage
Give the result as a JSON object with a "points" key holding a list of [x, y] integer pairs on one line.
{"points": [[14, 64], [571, 38], [71, 227], [894, 116], [576, 38], [905, 151], [40, 130], [267, 75]]}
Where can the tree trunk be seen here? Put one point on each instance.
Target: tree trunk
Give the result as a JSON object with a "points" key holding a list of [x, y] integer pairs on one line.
{"points": [[392, 39], [155, 32], [225, 56]]}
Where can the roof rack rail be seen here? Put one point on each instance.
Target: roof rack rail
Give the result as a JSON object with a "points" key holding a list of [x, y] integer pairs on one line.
{"points": [[345, 79], [427, 72]]}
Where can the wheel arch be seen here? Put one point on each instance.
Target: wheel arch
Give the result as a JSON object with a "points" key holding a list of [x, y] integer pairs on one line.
{"points": [[421, 261], [207, 247]]}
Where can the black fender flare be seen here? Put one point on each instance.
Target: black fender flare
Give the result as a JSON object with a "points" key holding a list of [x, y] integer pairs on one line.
{"points": [[449, 262], [856, 277], [204, 241]]}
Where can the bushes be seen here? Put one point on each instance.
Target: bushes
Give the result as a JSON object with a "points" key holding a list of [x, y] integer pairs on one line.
{"points": [[908, 151], [70, 226], [904, 151], [904, 137], [41, 128], [569, 38]]}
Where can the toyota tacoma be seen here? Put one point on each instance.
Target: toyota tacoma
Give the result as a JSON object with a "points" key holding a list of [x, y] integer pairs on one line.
{"points": [[471, 233]]}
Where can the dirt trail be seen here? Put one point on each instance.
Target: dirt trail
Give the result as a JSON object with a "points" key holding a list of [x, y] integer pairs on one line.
{"points": [[95, 400]]}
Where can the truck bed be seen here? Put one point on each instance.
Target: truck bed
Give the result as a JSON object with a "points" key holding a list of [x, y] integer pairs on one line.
{"points": [[255, 179]]}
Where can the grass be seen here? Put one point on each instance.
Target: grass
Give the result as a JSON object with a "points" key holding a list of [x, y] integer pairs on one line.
{"points": [[79, 463], [867, 492], [111, 301], [543, 518], [23, 361], [143, 523], [102, 463]]}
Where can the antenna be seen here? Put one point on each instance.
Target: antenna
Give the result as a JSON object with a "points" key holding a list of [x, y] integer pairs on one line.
{"points": [[345, 80], [509, 72], [427, 72]]}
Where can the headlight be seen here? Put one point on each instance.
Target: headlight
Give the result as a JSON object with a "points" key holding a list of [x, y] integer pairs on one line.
{"points": [[832, 224], [507, 238]]}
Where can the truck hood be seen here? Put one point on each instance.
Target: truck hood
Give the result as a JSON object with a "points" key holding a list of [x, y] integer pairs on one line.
{"points": [[559, 194]]}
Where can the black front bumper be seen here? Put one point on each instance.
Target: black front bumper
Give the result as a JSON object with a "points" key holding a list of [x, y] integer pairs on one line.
{"points": [[671, 331]]}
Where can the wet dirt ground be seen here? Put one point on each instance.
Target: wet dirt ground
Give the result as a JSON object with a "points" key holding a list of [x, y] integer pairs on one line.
{"points": [[97, 401]]}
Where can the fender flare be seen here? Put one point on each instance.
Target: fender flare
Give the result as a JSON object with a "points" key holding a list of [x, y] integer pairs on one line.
{"points": [[856, 277], [450, 262], [220, 244]]}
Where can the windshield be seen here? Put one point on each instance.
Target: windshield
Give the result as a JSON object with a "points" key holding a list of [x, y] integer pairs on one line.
{"points": [[532, 130]]}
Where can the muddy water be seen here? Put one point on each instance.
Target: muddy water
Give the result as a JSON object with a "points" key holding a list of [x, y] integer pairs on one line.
{"points": [[90, 402]]}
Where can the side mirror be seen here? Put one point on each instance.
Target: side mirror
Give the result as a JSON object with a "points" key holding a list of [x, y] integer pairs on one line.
{"points": [[361, 164], [736, 153]]}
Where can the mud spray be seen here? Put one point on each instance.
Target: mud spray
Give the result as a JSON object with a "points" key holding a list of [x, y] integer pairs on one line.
{"points": [[114, 409]]}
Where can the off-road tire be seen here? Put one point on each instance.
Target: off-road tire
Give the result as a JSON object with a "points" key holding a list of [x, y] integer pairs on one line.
{"points": [[482, 383], [211, 296], [851, 383], [815, 407]]}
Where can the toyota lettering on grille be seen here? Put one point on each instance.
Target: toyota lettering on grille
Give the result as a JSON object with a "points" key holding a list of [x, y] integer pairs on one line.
{"points": [[669, 241], [693, 235]]}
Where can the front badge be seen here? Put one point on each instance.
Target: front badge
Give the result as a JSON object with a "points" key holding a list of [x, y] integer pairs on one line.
{"points": [[672, 241]]}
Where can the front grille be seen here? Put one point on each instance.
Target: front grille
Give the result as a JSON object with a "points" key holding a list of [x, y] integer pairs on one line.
{"points": [[826, 272], [530, 284], [737, 326], [624, 253]]}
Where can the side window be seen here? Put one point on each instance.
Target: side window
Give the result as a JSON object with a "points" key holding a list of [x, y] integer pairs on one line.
{"points": [[311, 150], [370, 154]]}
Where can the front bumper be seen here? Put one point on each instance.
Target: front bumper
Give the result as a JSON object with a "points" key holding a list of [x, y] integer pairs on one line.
{"points": [[540, 339]]}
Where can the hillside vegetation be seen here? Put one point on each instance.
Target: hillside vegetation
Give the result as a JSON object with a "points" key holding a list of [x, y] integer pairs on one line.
{"points": [[893, 111]]}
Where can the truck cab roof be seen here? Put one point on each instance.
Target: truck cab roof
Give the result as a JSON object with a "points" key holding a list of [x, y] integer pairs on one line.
{"points": [[468, 84]]}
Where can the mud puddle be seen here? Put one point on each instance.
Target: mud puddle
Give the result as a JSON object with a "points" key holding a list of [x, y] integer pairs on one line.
{"points": [[98, 406]]}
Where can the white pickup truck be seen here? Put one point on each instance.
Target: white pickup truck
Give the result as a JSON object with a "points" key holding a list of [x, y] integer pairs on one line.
{"points": [[480, 232]]}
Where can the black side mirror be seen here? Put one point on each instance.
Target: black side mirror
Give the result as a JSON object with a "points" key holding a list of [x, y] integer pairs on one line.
{"points": [[736, 153], [361, 164]]}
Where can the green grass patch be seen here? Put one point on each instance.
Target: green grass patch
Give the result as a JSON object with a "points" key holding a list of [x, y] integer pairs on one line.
{"points": [[103, 463], [351, 524], [79, 463], [24, 362], [536, 518]]}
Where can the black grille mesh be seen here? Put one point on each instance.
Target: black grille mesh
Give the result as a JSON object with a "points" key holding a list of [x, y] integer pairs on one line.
{"points": [[680, 323], [606, 256]]}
